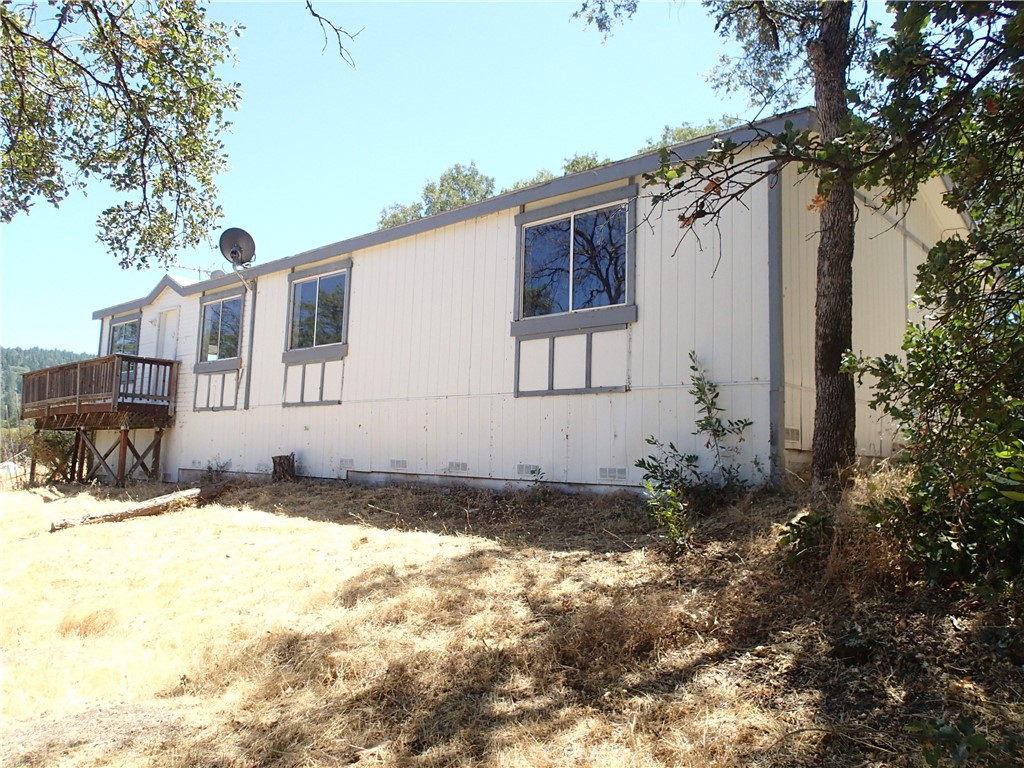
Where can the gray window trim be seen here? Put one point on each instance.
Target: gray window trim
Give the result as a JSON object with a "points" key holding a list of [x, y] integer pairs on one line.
{"points": [[581, 391], [776, 333], [209, 406], [301, 402], [210, 298], [586, 389], [121, 320], [216, 366], [310, 404], [212, 366], [320, 269], [580, 319], [315, 354], [334, 351]]}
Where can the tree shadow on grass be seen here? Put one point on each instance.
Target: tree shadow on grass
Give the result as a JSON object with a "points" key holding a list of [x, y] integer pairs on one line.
{"points": [[447, 691], [817, 665]]}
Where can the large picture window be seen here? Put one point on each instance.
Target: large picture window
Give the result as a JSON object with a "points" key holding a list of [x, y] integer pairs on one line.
{"points": [[222, 324], [124, 337], [318, 311], [575, 262]]}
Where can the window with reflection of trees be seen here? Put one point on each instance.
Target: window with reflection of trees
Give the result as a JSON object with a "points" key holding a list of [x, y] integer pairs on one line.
{"points": [[575, 262], [124, 338], [222, 323], [318, 311]]}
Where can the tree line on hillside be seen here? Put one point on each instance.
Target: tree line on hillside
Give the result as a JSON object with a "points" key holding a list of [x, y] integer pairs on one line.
{"points": [[15, 361]]}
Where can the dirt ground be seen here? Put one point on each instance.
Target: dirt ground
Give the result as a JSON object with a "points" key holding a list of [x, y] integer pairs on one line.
{"points": [[325, 624]]}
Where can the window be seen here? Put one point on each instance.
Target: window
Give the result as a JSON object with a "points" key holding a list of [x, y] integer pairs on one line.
{"points": [[124, 337], [318, 311], [222, 324], [575, 262]]}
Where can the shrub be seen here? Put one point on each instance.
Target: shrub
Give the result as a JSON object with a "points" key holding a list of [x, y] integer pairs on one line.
{"points": [[958, 397], [676, 485]]}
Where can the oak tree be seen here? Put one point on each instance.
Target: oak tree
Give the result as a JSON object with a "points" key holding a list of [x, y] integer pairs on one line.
{"points": [[787, 45], [458, 186], [127, 93]]}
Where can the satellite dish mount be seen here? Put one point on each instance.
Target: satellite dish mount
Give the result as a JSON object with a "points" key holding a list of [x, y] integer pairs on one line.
{"points": [[239, 249]]}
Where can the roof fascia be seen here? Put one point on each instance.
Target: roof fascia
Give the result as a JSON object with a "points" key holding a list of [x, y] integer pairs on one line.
{"points": [[165, 282], [623, 169], [802, 118]]}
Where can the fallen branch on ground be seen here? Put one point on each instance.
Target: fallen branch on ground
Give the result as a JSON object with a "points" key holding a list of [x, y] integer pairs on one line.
{"points": [[157, 506]]}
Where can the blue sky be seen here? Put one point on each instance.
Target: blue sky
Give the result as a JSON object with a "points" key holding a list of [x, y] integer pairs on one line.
{"points": [[319, 148]]}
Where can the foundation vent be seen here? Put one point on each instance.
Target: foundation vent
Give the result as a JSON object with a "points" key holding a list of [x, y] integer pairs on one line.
{"points": [[612, 473], [458, 466], [399, 464], [346, 463], [527, 469]]}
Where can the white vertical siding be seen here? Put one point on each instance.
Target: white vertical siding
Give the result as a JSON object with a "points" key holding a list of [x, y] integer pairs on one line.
{"points": [[889, 248], [428, 382]]}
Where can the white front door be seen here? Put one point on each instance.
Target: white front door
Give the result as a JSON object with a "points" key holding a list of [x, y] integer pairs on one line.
{"points": [[167, 338]]}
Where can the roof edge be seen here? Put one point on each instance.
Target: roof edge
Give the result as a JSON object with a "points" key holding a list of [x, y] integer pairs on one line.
{"points": [[804, 117], [165, 282]]}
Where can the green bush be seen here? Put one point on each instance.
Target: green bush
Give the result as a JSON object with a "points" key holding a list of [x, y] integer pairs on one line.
{"points": [[947, 743], [677, 487], [958, 397]]}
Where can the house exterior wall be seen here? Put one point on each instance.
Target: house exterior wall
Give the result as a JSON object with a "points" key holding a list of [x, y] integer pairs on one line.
{"points": [[888, 250], [429, 382]]}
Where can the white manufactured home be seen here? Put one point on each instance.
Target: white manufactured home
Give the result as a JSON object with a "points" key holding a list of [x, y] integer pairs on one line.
{"points": [[541, 333]]}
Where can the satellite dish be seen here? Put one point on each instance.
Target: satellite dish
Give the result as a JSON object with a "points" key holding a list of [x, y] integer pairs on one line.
{"points": [[237, 246]]}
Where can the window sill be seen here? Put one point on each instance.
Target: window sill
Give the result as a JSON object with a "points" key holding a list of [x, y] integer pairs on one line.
{"points": [[568, 322], [218, 366], [315, 354], [578, 391]]}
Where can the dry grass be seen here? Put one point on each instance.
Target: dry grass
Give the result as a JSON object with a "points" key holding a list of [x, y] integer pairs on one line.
{"points": [[324, 625]]}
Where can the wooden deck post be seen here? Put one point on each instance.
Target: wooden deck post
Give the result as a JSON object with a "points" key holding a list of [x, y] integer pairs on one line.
{"points": [[82, 455], [155, 474], [122, 457], [32, 462], [76, 447]]}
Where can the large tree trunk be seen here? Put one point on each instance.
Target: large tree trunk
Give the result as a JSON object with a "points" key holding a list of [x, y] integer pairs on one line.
{"points": [[833, 446]]}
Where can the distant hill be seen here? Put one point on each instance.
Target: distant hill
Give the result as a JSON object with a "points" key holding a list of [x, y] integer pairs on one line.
{"points": [[15, 361]]}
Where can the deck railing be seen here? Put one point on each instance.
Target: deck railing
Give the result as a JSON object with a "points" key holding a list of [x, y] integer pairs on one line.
{"points": [[112, 383]]}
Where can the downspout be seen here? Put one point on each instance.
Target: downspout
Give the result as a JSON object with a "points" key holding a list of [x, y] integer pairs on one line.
{"points": [[99, 346], [777, 369], [252, 336]]}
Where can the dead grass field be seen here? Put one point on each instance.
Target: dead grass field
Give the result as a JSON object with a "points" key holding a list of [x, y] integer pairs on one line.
{"points": [[327, 625]]}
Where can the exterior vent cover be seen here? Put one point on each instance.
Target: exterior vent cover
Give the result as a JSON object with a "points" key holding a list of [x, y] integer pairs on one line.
{"points": [[458, 466], [346, 463], [399, 464], [527, 469], [613, 473], [792, 435]]}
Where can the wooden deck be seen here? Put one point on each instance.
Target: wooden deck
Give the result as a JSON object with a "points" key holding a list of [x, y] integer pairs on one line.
{"points": [[113, 392]]}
